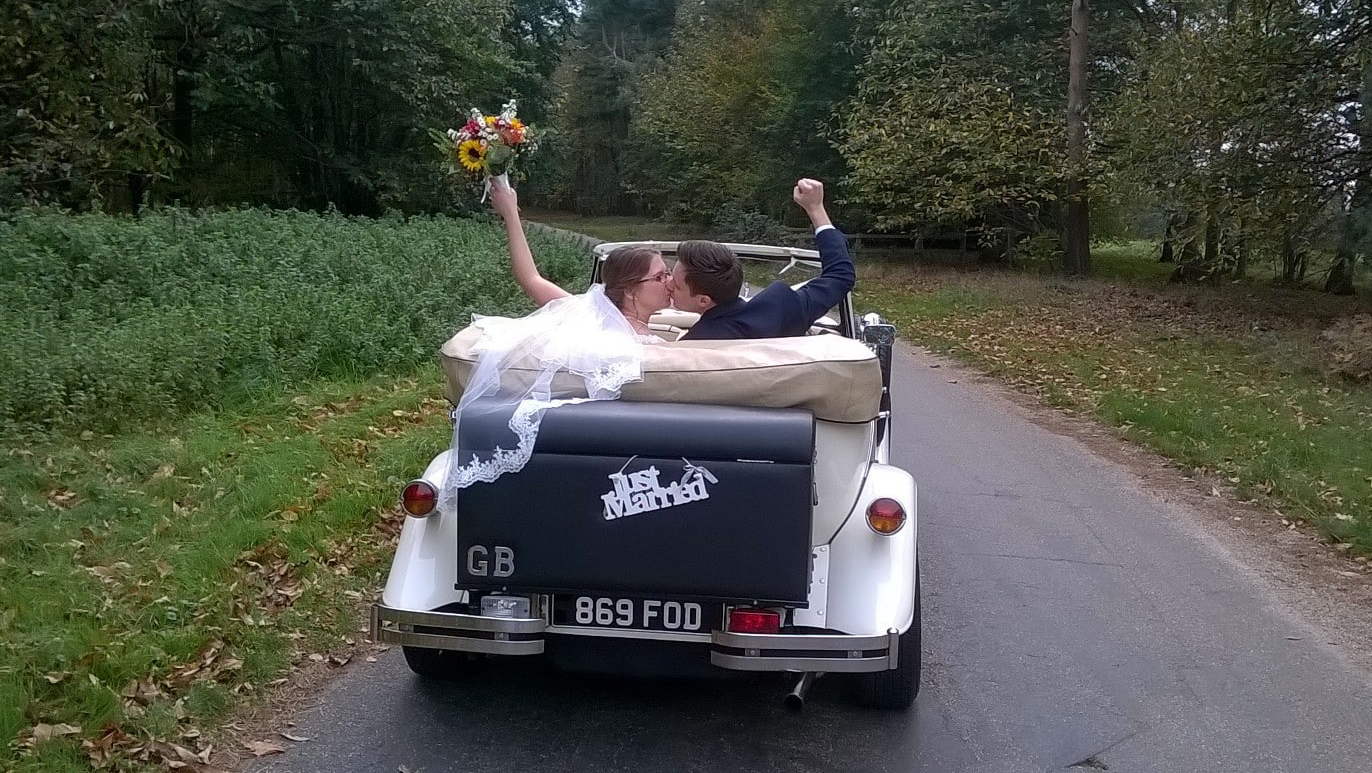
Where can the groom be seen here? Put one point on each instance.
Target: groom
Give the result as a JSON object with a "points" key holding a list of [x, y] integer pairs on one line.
{"points": [[707, 278]]}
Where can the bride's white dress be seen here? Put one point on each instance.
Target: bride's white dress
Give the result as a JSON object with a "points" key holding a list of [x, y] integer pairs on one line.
{"points": [[585, 335]]}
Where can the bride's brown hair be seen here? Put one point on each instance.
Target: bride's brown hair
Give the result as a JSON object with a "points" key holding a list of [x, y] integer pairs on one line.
{"points": [[623, 268]]}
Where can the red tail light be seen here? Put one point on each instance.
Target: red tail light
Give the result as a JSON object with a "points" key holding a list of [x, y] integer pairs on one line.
{"points": [[885, 516], [754, 621], [419, 499]]}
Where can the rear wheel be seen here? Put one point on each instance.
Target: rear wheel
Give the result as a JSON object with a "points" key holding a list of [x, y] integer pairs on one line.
{"points": [[897, 688], [442, 664]]}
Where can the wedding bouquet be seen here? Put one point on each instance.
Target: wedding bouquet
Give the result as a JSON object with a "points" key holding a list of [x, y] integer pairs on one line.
{"points": [[487, 146]]}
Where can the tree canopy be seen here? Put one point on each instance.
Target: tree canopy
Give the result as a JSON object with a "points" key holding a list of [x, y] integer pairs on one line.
{"points": [[1236, 129]]}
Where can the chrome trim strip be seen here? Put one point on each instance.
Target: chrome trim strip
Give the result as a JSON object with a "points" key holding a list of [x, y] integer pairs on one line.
{"points": [[461, 644], [805, 641], [622, 633], [826, 665], [461, 622], [760, 251]]}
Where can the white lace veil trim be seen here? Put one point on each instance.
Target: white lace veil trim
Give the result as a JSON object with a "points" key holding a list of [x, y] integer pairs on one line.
{"points": [[584, 335]]}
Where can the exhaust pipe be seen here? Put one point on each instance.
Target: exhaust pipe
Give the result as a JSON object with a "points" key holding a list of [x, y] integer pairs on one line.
{"points": [[795, 699]]}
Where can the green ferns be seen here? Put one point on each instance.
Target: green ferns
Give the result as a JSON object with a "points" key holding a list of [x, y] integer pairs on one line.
{"points": [[111, 322]]}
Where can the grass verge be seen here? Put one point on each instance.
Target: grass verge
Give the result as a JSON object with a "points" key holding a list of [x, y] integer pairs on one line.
{"points": [[1228, 381], [150, 582]]}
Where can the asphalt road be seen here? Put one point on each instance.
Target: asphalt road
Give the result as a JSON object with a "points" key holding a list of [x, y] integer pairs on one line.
{"points": [[1072, 621]]}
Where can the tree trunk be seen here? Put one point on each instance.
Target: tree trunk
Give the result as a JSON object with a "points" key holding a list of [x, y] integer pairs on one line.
{"points": [[138, 188], [1340, 280], [1169, 235], [1290, 257], [1189, 265], [1211, 259], [1077, 224]]}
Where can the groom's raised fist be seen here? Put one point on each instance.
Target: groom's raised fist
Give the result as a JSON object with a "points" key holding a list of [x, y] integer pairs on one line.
{"points": [[808, 193]]}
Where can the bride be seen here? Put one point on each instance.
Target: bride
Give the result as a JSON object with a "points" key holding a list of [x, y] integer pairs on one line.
{"points": [[597, 337], [635, 279]]}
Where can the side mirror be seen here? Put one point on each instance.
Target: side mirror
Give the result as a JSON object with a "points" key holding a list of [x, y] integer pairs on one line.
{"points": [[876, 332], [880, 337]]}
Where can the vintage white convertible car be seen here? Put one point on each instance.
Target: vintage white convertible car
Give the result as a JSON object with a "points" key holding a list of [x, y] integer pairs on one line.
{"points": [[736, 510]]}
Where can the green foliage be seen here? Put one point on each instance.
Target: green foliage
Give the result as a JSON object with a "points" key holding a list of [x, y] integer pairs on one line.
{"points": [[958, 117], [80, 113], [601, 78], [732, 223], [1040, 253], [1134, 260], [952, 151], [1238, 122], [299, 103], [743, 104], [537, 32], [336, 96], [112, 321]]}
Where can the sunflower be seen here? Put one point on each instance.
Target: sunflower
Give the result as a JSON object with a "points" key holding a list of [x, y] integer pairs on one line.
{"points": [[471, 154]]}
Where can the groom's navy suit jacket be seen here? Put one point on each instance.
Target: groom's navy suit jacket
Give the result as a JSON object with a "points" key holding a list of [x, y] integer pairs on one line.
{"points": [[779, 311]]}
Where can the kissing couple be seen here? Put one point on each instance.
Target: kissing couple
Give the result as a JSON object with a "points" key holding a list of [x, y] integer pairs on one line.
{"points": [[599, 337], [706, 279]]}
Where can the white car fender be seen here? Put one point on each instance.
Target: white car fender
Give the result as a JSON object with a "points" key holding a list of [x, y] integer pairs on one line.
{"points": [[424, 570], [872, 577]]}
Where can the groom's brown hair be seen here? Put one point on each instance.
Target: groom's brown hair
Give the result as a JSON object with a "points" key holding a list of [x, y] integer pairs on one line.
{"points": [[711, 269]]}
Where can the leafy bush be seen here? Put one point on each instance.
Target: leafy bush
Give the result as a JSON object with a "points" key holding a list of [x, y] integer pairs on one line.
{"points": [[110, 321], [1040, 253], [733, 223]]}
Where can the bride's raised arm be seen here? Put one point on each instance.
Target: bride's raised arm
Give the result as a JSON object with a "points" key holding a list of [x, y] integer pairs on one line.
{"points": [[505, 202]]}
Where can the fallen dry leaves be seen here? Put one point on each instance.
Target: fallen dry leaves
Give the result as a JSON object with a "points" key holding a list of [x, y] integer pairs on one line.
{"points": [[263, 748], [113, 745], [263, 582], [1347, 347], [1150, 350], [61, 498], [267, 569]]}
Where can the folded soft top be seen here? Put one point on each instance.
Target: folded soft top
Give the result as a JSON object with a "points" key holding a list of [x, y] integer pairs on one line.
{"points": [[836, 378]]}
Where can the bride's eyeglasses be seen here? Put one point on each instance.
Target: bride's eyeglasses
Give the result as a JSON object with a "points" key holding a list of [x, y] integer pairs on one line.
{"points": [[661, 276]]}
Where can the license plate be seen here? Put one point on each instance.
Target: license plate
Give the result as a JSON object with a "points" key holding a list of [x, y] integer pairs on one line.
{"points": [[636, 614]]}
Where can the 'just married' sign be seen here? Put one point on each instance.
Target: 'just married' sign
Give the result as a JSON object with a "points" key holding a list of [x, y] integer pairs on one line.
{"points": [[640, 492]]}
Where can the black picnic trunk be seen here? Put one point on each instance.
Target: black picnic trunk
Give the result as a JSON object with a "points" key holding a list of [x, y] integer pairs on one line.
{"points": [[643, 499]]}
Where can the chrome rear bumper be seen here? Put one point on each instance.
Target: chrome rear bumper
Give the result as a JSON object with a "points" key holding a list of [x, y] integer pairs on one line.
{"points": [[456, 631], [832, 653]]}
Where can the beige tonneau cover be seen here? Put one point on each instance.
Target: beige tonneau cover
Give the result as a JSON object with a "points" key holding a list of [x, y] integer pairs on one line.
{"points": [[836, 378]]}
